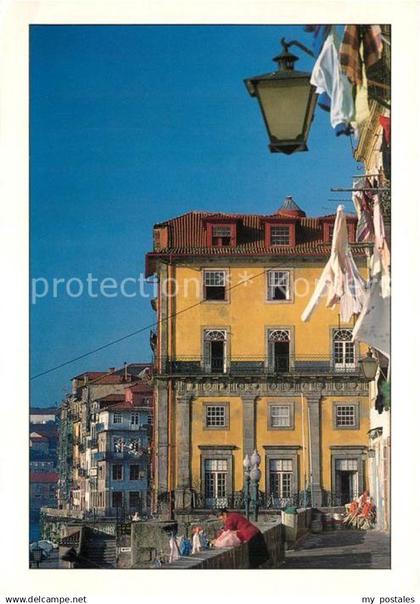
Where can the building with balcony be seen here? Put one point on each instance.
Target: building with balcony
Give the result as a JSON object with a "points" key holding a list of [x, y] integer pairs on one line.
{"points": [[236, 369], [78, 417], [121, 466]]}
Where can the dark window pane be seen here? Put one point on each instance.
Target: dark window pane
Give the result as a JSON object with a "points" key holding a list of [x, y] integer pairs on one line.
{"points": [[215, 293]]}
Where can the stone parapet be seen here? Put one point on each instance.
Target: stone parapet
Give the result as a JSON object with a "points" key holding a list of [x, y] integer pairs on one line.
{"points": [[237, 557]]}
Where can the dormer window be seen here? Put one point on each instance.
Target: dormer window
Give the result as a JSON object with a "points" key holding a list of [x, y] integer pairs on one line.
{"points": [[221, 235], [280, 231], [280, 235], [221, 232], [328, 230]]}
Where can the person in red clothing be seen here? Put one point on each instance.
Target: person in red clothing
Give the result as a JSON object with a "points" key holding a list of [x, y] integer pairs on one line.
{"points": [[246, 533], [232, 521]]}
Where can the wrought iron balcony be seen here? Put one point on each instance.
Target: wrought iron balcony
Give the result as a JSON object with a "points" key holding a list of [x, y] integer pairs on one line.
{"points": [[282, 365], [266, 501], [115, 457], [92, 441]]}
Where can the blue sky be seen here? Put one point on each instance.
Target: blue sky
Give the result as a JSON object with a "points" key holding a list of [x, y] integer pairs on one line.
{"points": [[129, 126]]}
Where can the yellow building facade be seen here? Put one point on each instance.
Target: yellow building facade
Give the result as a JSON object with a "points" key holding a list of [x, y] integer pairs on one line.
{"points": [[237, 369]]}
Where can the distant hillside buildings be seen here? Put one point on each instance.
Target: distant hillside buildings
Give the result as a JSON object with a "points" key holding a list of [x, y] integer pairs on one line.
{"points": [[105, 442]]}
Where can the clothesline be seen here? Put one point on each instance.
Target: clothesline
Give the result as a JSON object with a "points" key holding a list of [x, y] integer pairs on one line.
{"points": [[377, 189], [363, 175]]}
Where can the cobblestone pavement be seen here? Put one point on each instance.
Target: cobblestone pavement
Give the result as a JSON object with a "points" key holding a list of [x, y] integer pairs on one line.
{"points": [[341, 549]]}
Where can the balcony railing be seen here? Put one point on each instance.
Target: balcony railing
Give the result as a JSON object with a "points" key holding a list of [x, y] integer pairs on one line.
{"points": [[92, 441], [266, 501], [294, 365], [124, 425], [235, 501], [114, 456]]}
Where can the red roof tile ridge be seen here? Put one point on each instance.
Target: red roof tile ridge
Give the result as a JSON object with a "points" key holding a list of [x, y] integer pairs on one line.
{"points": [[124, 406], [112, 397]]}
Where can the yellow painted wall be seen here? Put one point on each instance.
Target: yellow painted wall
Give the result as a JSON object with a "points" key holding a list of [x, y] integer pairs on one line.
{"points": [[203, 436], [269, 437], [265, 437], [331, 436], [247, 313]]}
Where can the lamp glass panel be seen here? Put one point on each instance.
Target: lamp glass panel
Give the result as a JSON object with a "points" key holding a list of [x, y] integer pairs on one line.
{"points": [[285, 107], [370, 367]]}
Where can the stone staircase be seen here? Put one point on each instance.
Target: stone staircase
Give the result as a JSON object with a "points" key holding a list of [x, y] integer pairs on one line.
{"points": [[98, 549]]}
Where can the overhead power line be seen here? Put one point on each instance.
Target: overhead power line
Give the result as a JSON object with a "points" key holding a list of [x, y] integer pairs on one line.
{"points": [[136, 332]]}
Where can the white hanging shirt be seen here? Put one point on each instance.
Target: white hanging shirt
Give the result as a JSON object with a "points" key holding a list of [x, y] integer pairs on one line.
{"points": [[328, 77], [340, 279], [374, 323]]}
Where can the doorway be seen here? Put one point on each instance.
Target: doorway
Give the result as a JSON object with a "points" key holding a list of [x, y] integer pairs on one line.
{"points": [[217, 357], [346, 481], [281, 357]]}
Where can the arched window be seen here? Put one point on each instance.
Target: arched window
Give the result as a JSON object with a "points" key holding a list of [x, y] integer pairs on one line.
{"points": [[343, 349], [279, 335], [215, 350], [279, 350]]}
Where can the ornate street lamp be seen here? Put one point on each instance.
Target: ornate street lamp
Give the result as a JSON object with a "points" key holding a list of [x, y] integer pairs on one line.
{"points": [[255, 458], [247, 478], [369, 365], [287, 101], [255, 476]]}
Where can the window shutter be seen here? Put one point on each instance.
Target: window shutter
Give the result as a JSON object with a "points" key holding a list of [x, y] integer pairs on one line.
{"points": [[207, 355]]}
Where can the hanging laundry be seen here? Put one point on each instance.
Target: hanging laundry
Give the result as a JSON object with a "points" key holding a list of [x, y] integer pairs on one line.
{"points": [[320, 33], [381, 257], [361, 103], [344, 128], [373, 323], [350, 59], [363, 203], [381, 245], [340, 279], [328, 78], [386, 145], [386, 125]]}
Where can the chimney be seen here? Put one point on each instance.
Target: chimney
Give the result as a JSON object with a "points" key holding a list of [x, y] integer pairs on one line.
{"points": [[125, 371]]}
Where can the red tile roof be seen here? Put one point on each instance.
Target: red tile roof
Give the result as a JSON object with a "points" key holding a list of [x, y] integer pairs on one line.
{"points": [[91, 375], [116, 376], [140, 387], [187, 236], [124, 406], [44, 477], [111, 398]]}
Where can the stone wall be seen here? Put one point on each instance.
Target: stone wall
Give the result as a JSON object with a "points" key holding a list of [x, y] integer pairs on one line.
{"points": [[237, 557], [57, 524], [296, 525], [150, 540]]}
